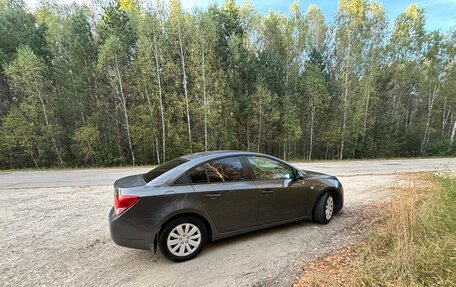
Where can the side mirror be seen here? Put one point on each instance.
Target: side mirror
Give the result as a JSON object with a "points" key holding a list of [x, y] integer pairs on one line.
{"points": [[299, 176]]}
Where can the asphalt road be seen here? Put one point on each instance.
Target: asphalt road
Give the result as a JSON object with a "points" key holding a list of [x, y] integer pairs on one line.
{"points": [[91, 177]]}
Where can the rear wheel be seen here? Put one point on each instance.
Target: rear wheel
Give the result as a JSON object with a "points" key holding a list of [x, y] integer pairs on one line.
{"points": [[324, 209], [183, 238]]}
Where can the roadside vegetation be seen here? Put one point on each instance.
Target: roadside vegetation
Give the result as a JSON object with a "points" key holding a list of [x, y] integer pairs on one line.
{"points": [[128, 82], [414, 246]]}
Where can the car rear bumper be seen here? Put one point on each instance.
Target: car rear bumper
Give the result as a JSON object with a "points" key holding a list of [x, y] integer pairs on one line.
{"points": [[129, 232]]}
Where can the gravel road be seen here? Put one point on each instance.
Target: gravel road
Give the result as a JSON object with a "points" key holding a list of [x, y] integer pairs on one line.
{"points": [[55, 232]]}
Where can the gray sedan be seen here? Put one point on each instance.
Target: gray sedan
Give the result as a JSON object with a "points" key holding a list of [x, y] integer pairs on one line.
{"points": [[186, 202]]}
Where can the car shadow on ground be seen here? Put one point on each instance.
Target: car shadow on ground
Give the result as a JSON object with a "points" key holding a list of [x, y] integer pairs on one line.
{"points": [[251, 236], [215, 246]]}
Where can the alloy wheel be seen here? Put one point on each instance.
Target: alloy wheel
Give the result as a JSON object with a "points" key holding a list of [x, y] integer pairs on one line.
{"points": [[184, 239], [329, 207]]}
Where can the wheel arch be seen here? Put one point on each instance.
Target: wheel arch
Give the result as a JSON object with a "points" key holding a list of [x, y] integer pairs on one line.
{"points": [[191, 213], [338, 198]]}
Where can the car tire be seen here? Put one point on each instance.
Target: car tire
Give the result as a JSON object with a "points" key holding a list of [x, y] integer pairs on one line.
{"points": [[324, 208], [183, 238]]}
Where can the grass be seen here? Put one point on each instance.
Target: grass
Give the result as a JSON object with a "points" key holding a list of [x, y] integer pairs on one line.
{"points": [[414, 246]]}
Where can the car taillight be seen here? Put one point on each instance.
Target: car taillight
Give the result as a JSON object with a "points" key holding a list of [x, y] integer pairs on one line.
{"points": [[123, 202]]}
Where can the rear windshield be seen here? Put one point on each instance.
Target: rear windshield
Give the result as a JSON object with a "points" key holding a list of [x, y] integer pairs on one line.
{"points": [[161, 169]]}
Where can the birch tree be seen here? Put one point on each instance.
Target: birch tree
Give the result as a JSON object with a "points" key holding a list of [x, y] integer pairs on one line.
{"points": [[317, 96], [406, 51], [149, 64], [114, 60], [349, 36], [178, 22]]}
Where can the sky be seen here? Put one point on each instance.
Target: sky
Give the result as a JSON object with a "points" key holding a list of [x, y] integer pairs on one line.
{"points": [[441, 14]]}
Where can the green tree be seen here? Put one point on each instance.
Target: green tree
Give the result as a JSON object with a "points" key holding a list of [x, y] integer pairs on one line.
{"points": [[149, 77], [136, 84], [87, 140], [27, 75], [178, 26], [119, 37], [19, 135], [317, 96]]}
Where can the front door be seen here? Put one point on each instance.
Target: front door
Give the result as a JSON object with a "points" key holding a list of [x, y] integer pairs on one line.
{"points": [[281, 196]]}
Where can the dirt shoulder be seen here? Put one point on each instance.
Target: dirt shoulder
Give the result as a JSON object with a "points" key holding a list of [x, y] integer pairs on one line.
{"points": [[59, 236], [336, 264]]}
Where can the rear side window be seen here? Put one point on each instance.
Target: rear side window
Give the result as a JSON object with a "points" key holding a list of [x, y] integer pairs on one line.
{"points": [[182, 180], [220, 170], [161, 169], [198, 175], [225, 169]]}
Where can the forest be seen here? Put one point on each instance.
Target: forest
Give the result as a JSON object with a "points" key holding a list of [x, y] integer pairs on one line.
{"points": [[138, 83]]}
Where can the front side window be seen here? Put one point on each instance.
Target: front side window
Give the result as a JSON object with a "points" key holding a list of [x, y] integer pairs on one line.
{"points": [[225, 169], [266, 168]]}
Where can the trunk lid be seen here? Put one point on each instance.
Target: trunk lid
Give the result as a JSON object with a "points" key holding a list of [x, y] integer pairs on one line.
{"points": [[130, 181]]}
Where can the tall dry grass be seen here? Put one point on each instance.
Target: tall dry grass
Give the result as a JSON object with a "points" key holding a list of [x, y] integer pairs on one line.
{"points": [[415, 246]]}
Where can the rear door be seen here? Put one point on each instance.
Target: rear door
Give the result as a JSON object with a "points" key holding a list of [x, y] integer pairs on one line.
{"points": [[227, 193], [281, 196]]}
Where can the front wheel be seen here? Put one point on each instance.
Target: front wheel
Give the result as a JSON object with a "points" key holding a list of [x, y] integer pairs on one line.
{"points": [[183, 238], [324, 209]]}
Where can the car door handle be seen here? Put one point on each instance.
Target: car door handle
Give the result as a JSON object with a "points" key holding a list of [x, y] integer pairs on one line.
{"points": [[213, 195], [267, 191]]}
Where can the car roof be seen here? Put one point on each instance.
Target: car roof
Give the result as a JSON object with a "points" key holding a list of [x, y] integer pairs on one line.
{"points": [[205, 155]]}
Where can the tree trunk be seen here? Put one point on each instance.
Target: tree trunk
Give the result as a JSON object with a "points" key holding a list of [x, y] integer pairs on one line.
{"points": [[393, 112], [184, 85], [160, 99], [445, 117], [427, 131], [43, 106], [203, 58], [453, 132], [365, 116], [344, 118], [33, 159], [81, 106], [312, 117], [413, 113], [355, 145], [151, 111], [157, 150], [345, 104], [119, 147], [247, 127], [259, 129], [124, 107]]}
